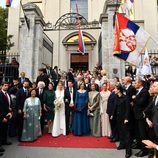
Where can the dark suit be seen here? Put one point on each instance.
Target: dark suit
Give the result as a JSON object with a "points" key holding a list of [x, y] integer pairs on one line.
{"points": [[122, 111], [21, 81], [110, 109], [40, 96], [20, 99], [55, 77], [68, 110], [4, 110], [140, 103], [151, 112], [43, 78], [130, 91], [70, 77]]}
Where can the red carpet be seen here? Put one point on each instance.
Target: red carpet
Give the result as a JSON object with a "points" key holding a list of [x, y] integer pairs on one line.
{"points": [[71, 141]]}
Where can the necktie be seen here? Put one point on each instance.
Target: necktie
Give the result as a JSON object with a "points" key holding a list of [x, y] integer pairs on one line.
{"points": [[41, 91], [26, 92], [70, 90], [6, 96], [156, 100]]}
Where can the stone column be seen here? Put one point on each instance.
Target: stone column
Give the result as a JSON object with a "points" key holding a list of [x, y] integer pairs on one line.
{"points": [[31, 41], [112, 65]]}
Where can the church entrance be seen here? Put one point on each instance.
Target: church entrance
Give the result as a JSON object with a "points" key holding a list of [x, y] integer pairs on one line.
{"points": [[79, 61]]}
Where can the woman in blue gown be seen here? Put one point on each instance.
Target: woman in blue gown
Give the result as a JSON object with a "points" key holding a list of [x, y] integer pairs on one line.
{"points": [[80, 124]]}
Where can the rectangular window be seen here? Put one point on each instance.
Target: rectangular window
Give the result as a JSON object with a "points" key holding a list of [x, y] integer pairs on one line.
{"points": [[82, 7]]}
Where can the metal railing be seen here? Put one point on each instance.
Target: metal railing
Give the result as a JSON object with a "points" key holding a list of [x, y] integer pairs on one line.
{"points": [[9, 67], [153, 57]]}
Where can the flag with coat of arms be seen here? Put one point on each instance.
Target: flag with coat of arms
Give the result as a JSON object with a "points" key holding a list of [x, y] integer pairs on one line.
{"points": [[130, 40]]}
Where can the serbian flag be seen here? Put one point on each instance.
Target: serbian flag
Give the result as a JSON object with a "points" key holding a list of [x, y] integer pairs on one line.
{"points": [[130, 40], [8, 3], [81, 44]]}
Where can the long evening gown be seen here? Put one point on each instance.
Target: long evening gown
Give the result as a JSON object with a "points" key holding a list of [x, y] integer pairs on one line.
{"points": [[95, 120], [105, 122], [31, 128], [80, 125]]}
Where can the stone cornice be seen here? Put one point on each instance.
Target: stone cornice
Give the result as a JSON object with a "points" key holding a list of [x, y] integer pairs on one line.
{"points": [[32, 7], [103, 18]]}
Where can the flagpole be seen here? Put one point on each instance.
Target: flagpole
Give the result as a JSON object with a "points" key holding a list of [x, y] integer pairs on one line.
{"points": [[25, 17]]}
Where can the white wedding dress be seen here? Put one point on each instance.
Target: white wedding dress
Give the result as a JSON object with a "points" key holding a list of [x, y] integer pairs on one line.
{"points": [[59, 126]]}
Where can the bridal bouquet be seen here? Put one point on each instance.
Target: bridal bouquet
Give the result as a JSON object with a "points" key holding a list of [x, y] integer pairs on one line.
{"points": [[58, 104]]}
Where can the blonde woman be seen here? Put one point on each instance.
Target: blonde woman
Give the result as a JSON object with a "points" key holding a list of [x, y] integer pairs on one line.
{"points": [[105, 122], [59, 126]]}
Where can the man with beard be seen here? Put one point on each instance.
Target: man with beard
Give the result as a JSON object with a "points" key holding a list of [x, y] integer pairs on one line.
{"points": [[21, 96]]}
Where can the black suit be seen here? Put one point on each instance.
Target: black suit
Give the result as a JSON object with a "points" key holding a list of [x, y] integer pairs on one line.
{"points": [[55, 77], [70, 77], [130, 91], [122, 111], [21, 81], [151, 112], [141, 102], [109, 111], [20, 99], [40, 96], [4, 110], [68, 110], [43, 78]]}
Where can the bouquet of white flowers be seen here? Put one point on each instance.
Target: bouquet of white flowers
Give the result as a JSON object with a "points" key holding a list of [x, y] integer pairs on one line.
{"points": [[58, 104]]}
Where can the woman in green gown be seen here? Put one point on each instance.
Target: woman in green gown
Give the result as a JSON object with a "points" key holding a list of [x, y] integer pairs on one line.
{"points": [[48, 98], [94, 112], [32, 112]]}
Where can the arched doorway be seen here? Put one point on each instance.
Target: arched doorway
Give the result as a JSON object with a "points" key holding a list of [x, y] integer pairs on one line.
{"points": [[77, 61]]}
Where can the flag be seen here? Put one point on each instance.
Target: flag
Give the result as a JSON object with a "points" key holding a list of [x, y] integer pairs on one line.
{"points": [[8, 3], [129, 4], [81, 44], [146, 69], [126, 7], [130, 40]]}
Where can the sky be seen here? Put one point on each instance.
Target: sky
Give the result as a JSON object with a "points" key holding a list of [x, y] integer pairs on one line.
{"points": [[14, 3]]}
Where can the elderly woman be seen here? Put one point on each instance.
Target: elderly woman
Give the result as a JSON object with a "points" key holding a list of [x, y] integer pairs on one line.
{"points": [[32, 113], [94, 112]]}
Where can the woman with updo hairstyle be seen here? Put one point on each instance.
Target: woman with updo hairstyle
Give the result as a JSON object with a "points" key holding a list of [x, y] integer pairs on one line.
{"points": [[105, 122], [80, 124], [48, 100]]}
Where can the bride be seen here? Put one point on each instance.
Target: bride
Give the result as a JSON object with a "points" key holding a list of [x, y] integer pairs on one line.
{"points": [[59, 119]]}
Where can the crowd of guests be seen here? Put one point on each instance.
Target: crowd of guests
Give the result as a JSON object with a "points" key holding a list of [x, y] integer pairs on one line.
{"points": [[81, 103]]}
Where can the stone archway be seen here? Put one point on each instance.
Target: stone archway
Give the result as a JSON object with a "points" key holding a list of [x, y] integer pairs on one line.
{"points": [[76, 59]]}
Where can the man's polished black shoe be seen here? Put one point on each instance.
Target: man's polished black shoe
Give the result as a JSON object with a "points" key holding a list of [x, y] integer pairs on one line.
{"points": [[7, 143], [2, 149], [1, 154], [141, 153], [136, 146], [120, 147], [114, 140]]}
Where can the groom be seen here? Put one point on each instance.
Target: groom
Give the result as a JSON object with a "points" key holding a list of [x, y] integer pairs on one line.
{"points": [[69, 99]]}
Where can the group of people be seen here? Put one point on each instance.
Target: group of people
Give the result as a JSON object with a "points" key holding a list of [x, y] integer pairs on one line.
{"points": [[81, 103]]}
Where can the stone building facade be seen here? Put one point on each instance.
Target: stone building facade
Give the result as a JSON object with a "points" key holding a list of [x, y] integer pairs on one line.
{"points": [[98, 36]]}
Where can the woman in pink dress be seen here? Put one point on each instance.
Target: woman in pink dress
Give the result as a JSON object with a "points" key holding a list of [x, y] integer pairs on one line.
{"points": [[105, 123]]}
